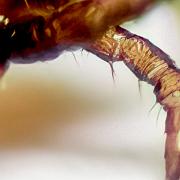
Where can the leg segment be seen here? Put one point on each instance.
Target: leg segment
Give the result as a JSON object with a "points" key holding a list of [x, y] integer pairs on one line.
{"points": [[152, 65]]}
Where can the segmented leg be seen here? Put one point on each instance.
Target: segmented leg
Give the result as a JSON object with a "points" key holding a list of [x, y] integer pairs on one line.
{"points": [[28, 27], [152, 65]]}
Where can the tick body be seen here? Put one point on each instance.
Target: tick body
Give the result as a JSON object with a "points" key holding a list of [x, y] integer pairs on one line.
{"points": [[40, 30]]}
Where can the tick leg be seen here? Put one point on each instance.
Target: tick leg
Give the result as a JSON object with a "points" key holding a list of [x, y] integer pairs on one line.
{"points": [[150, 64]]}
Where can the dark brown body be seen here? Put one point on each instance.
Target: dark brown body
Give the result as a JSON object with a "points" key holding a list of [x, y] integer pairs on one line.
{"points": [[31, 27]]}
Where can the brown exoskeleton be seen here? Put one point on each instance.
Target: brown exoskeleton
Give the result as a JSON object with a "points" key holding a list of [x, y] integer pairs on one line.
{"points": [[32, 30]]}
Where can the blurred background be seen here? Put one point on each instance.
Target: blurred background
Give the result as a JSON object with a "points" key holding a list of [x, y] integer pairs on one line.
{"points": [[67, 119]]}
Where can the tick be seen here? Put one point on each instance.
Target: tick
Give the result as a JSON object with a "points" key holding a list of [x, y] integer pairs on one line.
{"points": [[32, 30]]}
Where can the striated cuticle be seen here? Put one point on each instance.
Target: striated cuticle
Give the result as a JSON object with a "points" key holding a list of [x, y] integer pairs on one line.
{"points": [[145, 60]]}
